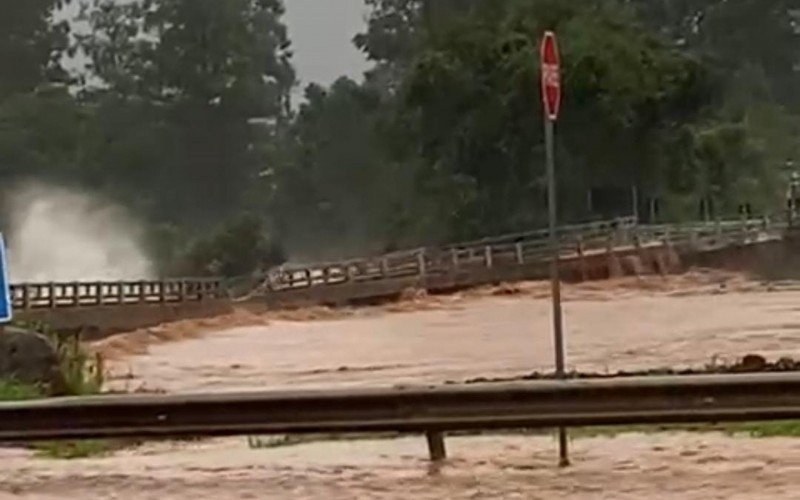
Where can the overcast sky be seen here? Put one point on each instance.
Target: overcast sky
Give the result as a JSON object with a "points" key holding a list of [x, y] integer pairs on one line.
{"points": [[322, 32]]}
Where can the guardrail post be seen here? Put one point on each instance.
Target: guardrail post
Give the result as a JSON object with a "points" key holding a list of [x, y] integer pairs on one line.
{"points": [[487, 251], [76, 294], [454, 257], [436, 447], [26, 297], [120, 293], [101, 294], [162, 291], [142, 293], [520, 254]]}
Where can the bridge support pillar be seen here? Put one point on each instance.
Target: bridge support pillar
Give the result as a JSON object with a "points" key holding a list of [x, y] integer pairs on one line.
{"points": [[436, 447]]}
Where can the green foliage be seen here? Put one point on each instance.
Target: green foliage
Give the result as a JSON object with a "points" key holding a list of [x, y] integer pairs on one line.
{"points": [[183, 114], [14, 391], [31, 45], [237, 248], [83, 374], [339, 184], [182, 83], [72, 450], [473, 90]]}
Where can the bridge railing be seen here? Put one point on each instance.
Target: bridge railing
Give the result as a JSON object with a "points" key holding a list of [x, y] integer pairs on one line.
{"points": [[529, 248], [93, 294], [521, 249]]}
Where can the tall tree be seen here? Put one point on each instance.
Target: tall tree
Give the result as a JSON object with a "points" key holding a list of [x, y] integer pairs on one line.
{"points": [[339, 184], [473, 86], [40, 122], [213, 77], [735, 35], [31, 45]]}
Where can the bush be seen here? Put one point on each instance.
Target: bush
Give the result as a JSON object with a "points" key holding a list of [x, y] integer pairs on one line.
{"points": [[14, 391], [238, 248], [82, 373]]}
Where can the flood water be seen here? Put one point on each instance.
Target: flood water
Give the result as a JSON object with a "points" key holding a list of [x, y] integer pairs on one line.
{"points": [[447, 340], [492, 337]]}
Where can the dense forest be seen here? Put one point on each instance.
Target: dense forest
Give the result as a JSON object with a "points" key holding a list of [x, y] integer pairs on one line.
{"points": [[183, 114]]}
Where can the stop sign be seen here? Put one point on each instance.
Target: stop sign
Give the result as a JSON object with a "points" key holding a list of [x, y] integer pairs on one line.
{"points": [[551, 76]]}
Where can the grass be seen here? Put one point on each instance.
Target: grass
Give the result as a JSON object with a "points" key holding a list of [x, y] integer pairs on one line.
{"points": [[11, 390], [787, 429], [70, 450], [82, 375], [268, 442]]}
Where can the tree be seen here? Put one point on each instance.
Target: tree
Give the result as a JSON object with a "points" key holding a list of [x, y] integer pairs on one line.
{"points": [[736, 34], [339, 184], [238, 248], [42, 135], [473, 87], [201, 73], [31, 45]]}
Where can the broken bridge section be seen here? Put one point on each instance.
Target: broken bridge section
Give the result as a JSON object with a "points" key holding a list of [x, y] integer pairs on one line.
{"points": [[594, 251]]}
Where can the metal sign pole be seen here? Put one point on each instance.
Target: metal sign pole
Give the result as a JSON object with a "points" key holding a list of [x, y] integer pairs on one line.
{"points": [[555, 279], [551, 100]]}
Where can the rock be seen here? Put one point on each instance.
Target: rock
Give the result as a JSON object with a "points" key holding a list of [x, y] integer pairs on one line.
{"points": [[753, 363], [30, 358]]}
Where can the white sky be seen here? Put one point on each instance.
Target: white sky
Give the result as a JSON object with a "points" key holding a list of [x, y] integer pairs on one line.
{"points": [[321, 32]]}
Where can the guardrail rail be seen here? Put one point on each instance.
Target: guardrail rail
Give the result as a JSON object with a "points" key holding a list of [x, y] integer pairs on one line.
{"points": [[432, 411]]}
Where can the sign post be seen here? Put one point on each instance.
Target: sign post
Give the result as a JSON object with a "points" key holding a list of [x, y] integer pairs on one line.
{"points": [[551, 99], [5, 287]]}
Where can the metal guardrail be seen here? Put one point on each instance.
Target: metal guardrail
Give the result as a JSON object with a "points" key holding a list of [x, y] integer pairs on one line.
{"points": [[60, 295], [521, 249], [654, 400]]}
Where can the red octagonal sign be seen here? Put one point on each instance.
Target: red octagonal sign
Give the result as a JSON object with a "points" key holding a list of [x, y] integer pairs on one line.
{"points": [[551, 76]]}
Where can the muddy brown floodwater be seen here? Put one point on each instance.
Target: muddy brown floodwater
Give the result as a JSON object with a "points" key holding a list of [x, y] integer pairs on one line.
{"points": [[490, 336], [480, 335]]}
